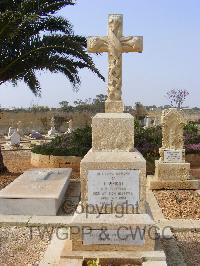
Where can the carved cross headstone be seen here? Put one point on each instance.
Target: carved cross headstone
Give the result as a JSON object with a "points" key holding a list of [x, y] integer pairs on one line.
{"points": [[115, 44], [172, 121]]}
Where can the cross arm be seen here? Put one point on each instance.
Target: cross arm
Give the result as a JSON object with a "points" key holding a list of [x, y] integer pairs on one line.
{"points": [[132, 44], [97, 44]]}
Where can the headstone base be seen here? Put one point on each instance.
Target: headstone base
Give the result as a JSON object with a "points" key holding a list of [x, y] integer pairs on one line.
{"points": [[154, 183], [172, 171], [113, 165], [114, 107], [103, 232]]}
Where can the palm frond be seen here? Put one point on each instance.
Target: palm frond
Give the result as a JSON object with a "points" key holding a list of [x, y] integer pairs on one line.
{"points": [[33, 39]]}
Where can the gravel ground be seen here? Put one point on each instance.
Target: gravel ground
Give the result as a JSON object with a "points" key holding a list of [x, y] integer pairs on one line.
{"points": [[189, 245], [6, 179], [16, 247], [179, 204]]}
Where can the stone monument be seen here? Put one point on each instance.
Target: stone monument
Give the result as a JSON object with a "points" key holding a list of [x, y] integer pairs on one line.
{"points": [[112, 173], [19, 129], [15, 139], [70, 127], [172, 172], [11, 130], [52, 132], [115, 44]]}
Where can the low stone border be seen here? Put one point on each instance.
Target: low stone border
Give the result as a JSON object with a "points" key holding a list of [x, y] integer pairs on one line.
{"points": [[166, 227], [153, 184], [50, 161], [52, 254], [175, 224], [35, 220]]}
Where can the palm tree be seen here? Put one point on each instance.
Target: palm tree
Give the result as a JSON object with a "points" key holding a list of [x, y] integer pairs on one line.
{"points": [[33, 37], [2, 166]]}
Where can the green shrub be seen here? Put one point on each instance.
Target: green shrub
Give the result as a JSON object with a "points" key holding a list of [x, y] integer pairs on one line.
{"points": [[93, 263], [78, 143], [147, 141]]}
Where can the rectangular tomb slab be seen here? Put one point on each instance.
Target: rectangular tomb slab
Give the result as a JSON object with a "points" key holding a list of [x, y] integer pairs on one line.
{"points": [[35, 192]]}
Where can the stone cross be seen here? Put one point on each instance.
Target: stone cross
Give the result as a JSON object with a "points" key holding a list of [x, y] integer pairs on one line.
{"points": [[115, 44]]}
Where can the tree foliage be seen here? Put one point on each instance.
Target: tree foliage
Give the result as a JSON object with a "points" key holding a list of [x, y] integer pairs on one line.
{"points": [[177, 97], [96, 105], [33, 37]]}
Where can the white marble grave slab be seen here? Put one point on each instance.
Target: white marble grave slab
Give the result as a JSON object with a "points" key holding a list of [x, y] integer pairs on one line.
{"points": [[173, 156], [113, 187], [120, 236], [35, 192]]}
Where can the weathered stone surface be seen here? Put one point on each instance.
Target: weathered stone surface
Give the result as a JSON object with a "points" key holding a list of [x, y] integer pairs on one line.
{"points": [[154, 183], [114, 106], [172, 171], [172, 121], [113, 161], [36, 192], [115, 44], [113, 132], [50, 161]]}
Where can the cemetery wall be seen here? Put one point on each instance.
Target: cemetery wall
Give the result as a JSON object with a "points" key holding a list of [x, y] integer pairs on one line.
{"points": [[40, 121], [190, 114], [17, 160], [45, 161]]}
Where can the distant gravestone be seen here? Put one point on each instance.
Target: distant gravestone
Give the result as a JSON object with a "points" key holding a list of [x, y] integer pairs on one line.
{"points": [[15, 139], [70, 126], [19, 129], [11, 130], [52, 132], [36, 135], [148, 121]]}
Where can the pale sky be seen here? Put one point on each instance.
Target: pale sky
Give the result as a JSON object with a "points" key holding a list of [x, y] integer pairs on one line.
{"points": [[171, 56]]}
